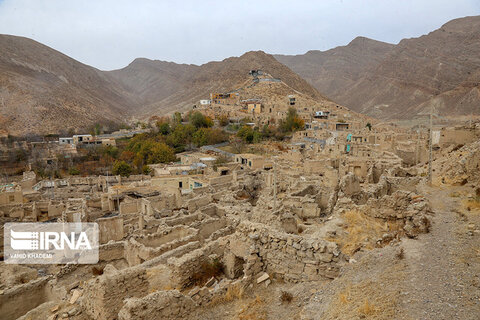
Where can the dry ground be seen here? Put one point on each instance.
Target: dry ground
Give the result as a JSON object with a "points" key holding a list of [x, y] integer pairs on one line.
{"points": [[436, 276]]}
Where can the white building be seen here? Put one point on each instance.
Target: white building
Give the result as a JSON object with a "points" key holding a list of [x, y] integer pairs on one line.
{"points": [[65, 140]]}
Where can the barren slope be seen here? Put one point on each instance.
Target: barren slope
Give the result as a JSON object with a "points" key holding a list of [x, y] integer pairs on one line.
{"points": [[439, 69], [165, 86], [43, 90], [332, 71]]}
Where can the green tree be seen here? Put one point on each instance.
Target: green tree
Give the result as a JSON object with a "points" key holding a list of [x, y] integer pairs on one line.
{"points": [[160, 153], [122, 168], [292, 122], [369, 126], [163, 128], [177, 118], [110, 151], [207, 136], [199, 120], [249, 135], [180, 137]]}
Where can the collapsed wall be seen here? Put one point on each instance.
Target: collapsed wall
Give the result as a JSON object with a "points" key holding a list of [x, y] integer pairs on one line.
{"points": [[104, 295], [290, 257], [158, 305]]}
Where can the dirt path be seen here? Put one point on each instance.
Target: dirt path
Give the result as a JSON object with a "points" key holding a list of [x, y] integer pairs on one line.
{"points": [[443, 266]]}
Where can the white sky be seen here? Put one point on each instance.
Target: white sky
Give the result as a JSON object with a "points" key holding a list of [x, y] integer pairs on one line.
{"points": [[109, 34]]}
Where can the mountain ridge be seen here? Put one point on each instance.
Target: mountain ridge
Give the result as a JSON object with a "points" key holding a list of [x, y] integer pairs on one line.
{"points": [[402, 81]]}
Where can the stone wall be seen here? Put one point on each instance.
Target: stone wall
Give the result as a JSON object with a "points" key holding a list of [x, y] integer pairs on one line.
{"points": [[291, 257], [16, 301], [198, 202], [129, 207], [158, 305], [184, 267], [103, 296]]}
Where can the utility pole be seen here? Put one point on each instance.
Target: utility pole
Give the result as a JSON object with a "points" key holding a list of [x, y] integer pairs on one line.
{"points": [[417, 149], [118, 202], [274, 184], [429, 181]]}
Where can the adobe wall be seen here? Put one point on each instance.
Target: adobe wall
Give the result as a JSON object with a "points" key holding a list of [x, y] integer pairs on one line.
{"points": [[16, 301], [103, 296], [165, 305], [129, 207], [145, 248], [110, 228], [449, 136], [196, 203]]}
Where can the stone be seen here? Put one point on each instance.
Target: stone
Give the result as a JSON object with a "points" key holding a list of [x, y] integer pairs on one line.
{"points": [[210, 282], [75, 295], [194, 291], [72, 312], [263, 277]]}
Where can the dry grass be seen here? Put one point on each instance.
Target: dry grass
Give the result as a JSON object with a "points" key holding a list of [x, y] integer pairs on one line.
{"points": [[344, 296], [367, 308], [361, 231], [400, 254], [97, 271], [234, 292], [286, 297], [366, 299], [472, 204], [253, 310]]}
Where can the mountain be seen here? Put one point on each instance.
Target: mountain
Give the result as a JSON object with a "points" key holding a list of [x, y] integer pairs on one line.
{"points": [[440, 69], [165, 86], [45, 91], [338, 68]]}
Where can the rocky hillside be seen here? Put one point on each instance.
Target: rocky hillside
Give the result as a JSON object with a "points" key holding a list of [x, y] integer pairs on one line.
{"points": [[166, 86], [45, 91], [337, 69], [441, 69]]}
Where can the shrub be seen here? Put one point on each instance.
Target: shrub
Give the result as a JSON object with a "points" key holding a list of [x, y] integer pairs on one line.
{"points": [[122, 168], [292, 122], [163, 128], [223, 120], [286, 297], [73, 171], [400, 254], [146, 169], [199, 120], [249, 135]]}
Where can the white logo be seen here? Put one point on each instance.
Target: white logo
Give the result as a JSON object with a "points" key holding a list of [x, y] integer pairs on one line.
{"points": [[52, 243], [47, 240]]}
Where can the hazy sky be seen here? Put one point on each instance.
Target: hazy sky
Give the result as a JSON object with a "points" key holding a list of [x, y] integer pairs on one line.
{"points": [[109, 34]]}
